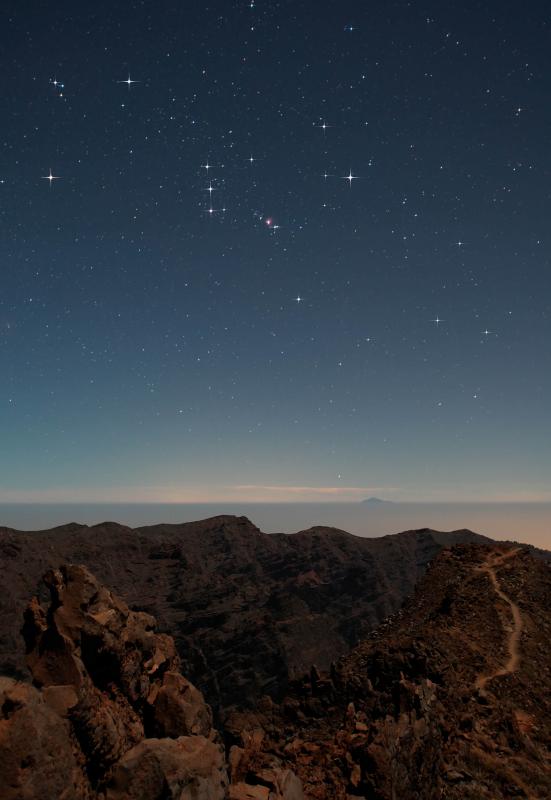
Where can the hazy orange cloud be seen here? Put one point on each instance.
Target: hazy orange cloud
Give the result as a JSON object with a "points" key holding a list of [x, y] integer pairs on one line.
{"points": [[250, 493], [260, 493]]}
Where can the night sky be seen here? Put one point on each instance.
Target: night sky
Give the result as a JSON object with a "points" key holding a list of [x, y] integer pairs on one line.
{"points": [[289, 251]]}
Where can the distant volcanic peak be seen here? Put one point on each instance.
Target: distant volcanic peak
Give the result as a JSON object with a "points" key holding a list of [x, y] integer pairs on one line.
{"points": [[377, 501]]}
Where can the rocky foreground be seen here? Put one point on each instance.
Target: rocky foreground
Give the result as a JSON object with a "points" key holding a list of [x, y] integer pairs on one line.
{"points": [[109, 716], [448, 699], [248, 611]]}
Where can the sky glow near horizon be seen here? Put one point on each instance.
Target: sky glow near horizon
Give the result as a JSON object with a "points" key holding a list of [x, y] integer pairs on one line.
{"points": [[275, 252]]}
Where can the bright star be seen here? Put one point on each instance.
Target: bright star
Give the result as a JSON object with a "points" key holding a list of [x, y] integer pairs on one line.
{"points": [[128, 81], [50, 177], [350, 178], [298, 299], [437, 320]]}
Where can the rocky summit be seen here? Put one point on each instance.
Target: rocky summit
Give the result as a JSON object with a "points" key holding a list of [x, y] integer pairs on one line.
{"points": [[248, 611]]}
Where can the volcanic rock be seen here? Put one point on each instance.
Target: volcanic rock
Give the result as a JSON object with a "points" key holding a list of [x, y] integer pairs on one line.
{"points": [[248, 611], [38, 755], [109, 716], [449, 699]]}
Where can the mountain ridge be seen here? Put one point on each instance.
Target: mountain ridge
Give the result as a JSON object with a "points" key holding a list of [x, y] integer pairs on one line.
{"points": [[448, 699], [249, 611]]}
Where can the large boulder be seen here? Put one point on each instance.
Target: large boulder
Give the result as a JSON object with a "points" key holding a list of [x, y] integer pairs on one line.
{"points": [[187, 768], [38, 755]]}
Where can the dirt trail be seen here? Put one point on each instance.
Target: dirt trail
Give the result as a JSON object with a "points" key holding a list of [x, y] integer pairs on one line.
{"points": [[494, 560]]}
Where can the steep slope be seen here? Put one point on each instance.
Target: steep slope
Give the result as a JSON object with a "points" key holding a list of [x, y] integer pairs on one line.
{"points": [[449, 699], [248, 611]]}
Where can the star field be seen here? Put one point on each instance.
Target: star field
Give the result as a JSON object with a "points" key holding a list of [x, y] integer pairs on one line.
{"points": [[275, 244]]}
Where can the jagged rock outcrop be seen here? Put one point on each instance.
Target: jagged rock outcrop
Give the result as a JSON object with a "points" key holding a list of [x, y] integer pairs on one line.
{"points": [[248, 611], [109, 717], [448, 700]]}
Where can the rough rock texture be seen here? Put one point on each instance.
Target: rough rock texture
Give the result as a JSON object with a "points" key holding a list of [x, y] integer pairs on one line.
{"points": [[448, 700], [248, 611], [109, 715], [187, 768], [38, 755]]}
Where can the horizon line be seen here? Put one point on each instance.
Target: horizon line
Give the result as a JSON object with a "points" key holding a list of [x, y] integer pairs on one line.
{"points": [[426, 501]]}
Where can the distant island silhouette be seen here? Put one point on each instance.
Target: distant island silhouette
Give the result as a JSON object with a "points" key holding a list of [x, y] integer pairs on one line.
{"points": [[377, 501]]}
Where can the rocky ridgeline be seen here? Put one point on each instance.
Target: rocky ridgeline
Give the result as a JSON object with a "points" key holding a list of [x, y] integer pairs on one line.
{"points": [[247, 611], [432, 706], [448, 699], [110, 716]]}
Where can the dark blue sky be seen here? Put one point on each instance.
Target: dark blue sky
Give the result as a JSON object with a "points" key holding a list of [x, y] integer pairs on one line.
{"points": [[292, 332]]}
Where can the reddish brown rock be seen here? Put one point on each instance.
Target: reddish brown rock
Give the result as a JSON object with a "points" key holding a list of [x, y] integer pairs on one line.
{"points": [[106, 679], [111, 717], [39, 758], [248, 611], [187, 768], [433, 706], [178, 708], [450, 699]]}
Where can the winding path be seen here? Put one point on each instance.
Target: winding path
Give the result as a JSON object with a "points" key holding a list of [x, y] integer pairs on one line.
{"points": [[495, 559]]}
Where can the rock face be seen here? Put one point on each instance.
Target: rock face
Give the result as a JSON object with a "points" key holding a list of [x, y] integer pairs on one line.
{"points": [[451, 698], [109, 715], [38, 756], [248, 611]]}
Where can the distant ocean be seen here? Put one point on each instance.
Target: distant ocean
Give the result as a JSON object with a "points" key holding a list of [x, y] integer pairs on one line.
{"points": [[523, 522]]}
